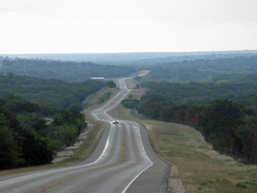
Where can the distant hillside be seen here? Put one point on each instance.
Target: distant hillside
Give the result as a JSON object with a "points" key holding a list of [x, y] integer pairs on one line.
{"points": [[63, 70], [134, 57], [52, 93], [237, 69]]}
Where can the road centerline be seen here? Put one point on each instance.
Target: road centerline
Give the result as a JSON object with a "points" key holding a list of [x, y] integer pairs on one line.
{"points": [[75, 175]]}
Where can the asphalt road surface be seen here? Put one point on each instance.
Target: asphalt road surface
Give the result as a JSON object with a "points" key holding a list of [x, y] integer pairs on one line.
{"points": [[123, 161]]}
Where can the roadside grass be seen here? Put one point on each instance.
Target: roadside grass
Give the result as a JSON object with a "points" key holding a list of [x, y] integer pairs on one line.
{"points": [[92, 101], [201, 169], [130, 83], [116, 81]]}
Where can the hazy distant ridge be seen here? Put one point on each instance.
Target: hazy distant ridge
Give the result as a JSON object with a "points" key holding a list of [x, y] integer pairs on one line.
{"points": [[118, 58]]}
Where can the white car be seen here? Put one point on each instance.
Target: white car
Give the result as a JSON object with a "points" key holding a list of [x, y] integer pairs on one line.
{"points": [[115, 121]]}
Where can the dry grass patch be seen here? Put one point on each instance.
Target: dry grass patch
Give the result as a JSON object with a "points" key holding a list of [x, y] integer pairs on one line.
{"points": [[201, 169]]}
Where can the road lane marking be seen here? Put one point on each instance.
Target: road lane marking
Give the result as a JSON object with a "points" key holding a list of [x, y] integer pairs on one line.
{"points": [[75, 175], [151, 163]]}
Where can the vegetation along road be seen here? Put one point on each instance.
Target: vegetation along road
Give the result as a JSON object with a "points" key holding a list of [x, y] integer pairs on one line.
{"points": [[123, 161]]}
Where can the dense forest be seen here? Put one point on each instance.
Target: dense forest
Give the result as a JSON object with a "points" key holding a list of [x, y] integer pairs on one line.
{"points": [[225, 113], [54, 93], [201, 93], [63, 70], [27, 139]]}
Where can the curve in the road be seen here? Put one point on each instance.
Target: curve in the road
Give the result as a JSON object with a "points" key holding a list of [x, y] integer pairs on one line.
{"points": [[118, 164]]}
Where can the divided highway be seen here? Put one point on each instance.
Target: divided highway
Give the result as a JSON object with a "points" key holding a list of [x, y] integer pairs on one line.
{"points": [[123, 161]]}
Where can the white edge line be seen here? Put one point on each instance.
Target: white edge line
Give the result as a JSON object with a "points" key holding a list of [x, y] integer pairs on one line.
{"points": [[61, 169], [74, 167]]}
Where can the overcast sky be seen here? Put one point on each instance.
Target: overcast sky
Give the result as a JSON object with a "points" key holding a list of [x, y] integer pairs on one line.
{"points": [[100, 26]]}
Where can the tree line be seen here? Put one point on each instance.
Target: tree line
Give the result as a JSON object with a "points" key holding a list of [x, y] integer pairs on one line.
{"points": [[230, 125], [27, 139], [104, 97]]}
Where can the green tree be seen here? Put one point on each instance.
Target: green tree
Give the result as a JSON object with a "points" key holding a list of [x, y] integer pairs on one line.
{"points": [[52, 144], [111, 84], [220, 122], [9, 151], [35, 150], [76, 106], [128, 103], [245, 143], [67, 134], [130, 96], [104, 97]]}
